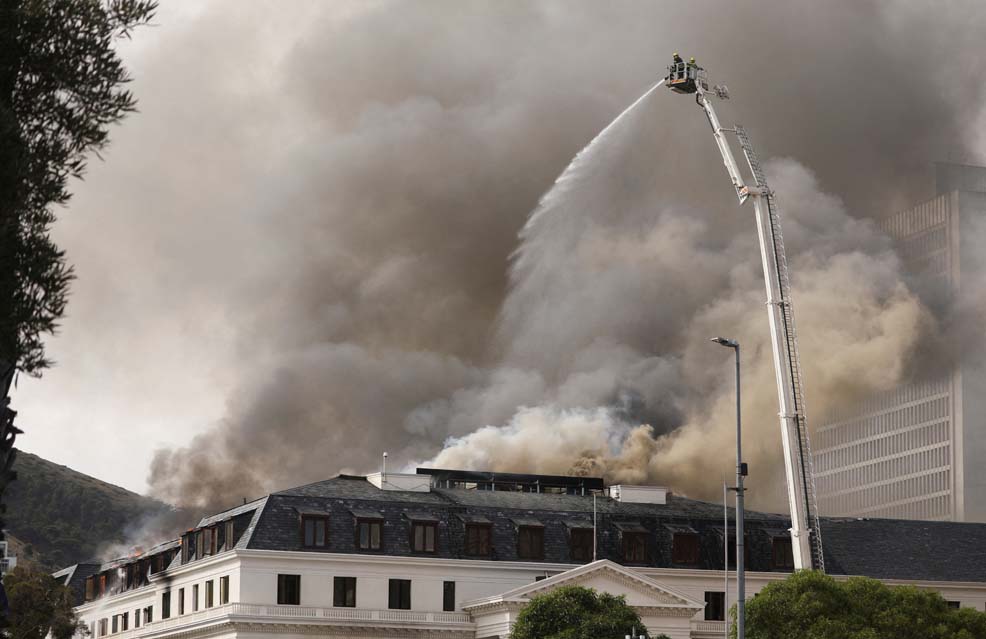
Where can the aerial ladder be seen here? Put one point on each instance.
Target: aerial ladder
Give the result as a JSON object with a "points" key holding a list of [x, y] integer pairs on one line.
{"points": [[806, 540]]}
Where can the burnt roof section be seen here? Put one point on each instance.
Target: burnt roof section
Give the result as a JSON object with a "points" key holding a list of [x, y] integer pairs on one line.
{"points": [[899, 549], [440, 475]]}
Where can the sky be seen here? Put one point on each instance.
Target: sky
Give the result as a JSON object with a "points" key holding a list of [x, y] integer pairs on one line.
{"points": [[312, 243]]}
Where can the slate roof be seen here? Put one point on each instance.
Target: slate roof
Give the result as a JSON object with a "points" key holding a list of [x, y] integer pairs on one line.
{"points": [[880, 548], [899, 549]]}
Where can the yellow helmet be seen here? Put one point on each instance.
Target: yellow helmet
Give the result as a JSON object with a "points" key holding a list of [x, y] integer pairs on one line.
{"points": [[675, 54], [691, 59]]}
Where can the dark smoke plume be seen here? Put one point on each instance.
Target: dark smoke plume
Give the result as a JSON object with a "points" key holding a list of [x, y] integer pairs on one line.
{"points": [[395, 150]]}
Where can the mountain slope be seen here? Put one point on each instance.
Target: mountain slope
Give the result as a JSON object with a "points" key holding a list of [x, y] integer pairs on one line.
{"points": [[63, 516]]}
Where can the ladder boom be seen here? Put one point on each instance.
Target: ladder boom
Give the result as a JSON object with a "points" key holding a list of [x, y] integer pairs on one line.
{"points": [[806, 538]]}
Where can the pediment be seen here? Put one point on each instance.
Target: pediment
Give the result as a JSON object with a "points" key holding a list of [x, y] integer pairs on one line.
{"points": [[606, 576]]}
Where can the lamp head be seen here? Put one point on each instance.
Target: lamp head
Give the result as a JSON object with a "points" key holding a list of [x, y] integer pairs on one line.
{"points": [[725, 342]]}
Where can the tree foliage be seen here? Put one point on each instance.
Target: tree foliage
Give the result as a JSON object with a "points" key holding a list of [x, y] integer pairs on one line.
{"points": [[574, 612], [810, 605], [62, 85], [39, 604]]}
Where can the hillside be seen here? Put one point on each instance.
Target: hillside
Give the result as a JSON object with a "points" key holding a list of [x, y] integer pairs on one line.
{"points": [[62, 516]]}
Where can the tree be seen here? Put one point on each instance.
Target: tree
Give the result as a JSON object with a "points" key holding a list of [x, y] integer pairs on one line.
{"points": [[810, 605], [574, 612], [39, 604], [61, 87]]}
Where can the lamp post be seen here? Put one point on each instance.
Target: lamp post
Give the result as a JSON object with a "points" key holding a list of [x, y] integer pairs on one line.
{"points": [[741, 472]]}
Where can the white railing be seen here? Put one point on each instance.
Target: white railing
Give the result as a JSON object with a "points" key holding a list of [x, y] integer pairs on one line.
{"points": [[308, 613], [709, 628]]}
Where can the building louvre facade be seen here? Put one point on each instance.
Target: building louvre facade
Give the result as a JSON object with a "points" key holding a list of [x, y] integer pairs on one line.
{"points": [[916, 452], [452, 555]]}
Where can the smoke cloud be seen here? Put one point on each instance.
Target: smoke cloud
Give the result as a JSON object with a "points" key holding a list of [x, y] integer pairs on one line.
{"points": [[391, 307]]}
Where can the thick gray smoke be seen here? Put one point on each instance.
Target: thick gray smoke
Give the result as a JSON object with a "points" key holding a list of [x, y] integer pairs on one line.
{"points": [[387, 315]]}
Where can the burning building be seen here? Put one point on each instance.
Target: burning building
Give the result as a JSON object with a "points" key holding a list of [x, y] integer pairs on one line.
{"points": [[456, 554]]}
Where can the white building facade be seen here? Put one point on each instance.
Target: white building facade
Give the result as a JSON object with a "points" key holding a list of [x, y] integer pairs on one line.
{"points": [[402, 556]]}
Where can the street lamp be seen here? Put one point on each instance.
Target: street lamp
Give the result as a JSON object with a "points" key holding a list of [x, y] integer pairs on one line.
{"points": [[741, 472]]}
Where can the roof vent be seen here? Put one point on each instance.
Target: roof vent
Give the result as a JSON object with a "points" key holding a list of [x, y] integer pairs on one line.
{"points": [[639, 494], [400, 481]]}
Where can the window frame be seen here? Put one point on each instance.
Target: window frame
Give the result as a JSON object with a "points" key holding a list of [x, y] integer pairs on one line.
{"points": [[210, 594], [315, 519], [478, 527], [678, 555], [230, 534], [166, 604], [181, 601], [637, 541], [195, 597], [399, 593], [224, 590], [530, 532], [781, 553], [585, 545], [716, 603], [283, 590], [370, 522], [342, 596], [448, 596], [425, 527]]}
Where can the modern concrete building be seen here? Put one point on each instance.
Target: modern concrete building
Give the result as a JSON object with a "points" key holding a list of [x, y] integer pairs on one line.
{"points": [[919, 451], [454, 555]]}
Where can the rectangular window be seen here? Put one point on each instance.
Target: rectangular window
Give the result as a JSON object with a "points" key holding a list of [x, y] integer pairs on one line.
{"points": [[530, 542], [206, 541], [635, 547], [400, 594], [166, 605], [448, 596], [314, 531], [423, 537], [955, 605], [181, 601], [208, 593], [90, 588], [782, 555], [289, 590], [200, 544], [195, 598], [344, 592], [116, 624], [148, 615], [125, 621], [478, 540], [224, 590], [102, 584], [715, 606], [230, 535], [137, 618], [369, 533], [580, 544], [102, 627], [214, 540], [684, 549]]}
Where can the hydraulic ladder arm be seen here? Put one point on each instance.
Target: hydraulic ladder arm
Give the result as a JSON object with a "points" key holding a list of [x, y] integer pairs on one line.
{"points": [[806, 538]]}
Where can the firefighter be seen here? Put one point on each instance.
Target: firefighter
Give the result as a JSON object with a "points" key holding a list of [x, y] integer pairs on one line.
{"points": [[677, 58]]}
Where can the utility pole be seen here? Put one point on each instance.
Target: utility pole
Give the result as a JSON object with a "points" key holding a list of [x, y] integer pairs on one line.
{"points": [[741, 472]]}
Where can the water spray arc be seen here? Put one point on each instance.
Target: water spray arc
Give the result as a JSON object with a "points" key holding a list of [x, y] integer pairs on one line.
{"points": [[806, 540]]}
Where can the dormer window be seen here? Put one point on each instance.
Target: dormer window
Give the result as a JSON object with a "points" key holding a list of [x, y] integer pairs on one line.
{"points": [[230, 540], [478, 536], [580, 541], [633, 538], [424, 532], [782, 555], [90, 588], [369, 529], [530, 538], [314, 530], [685, 548]]}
